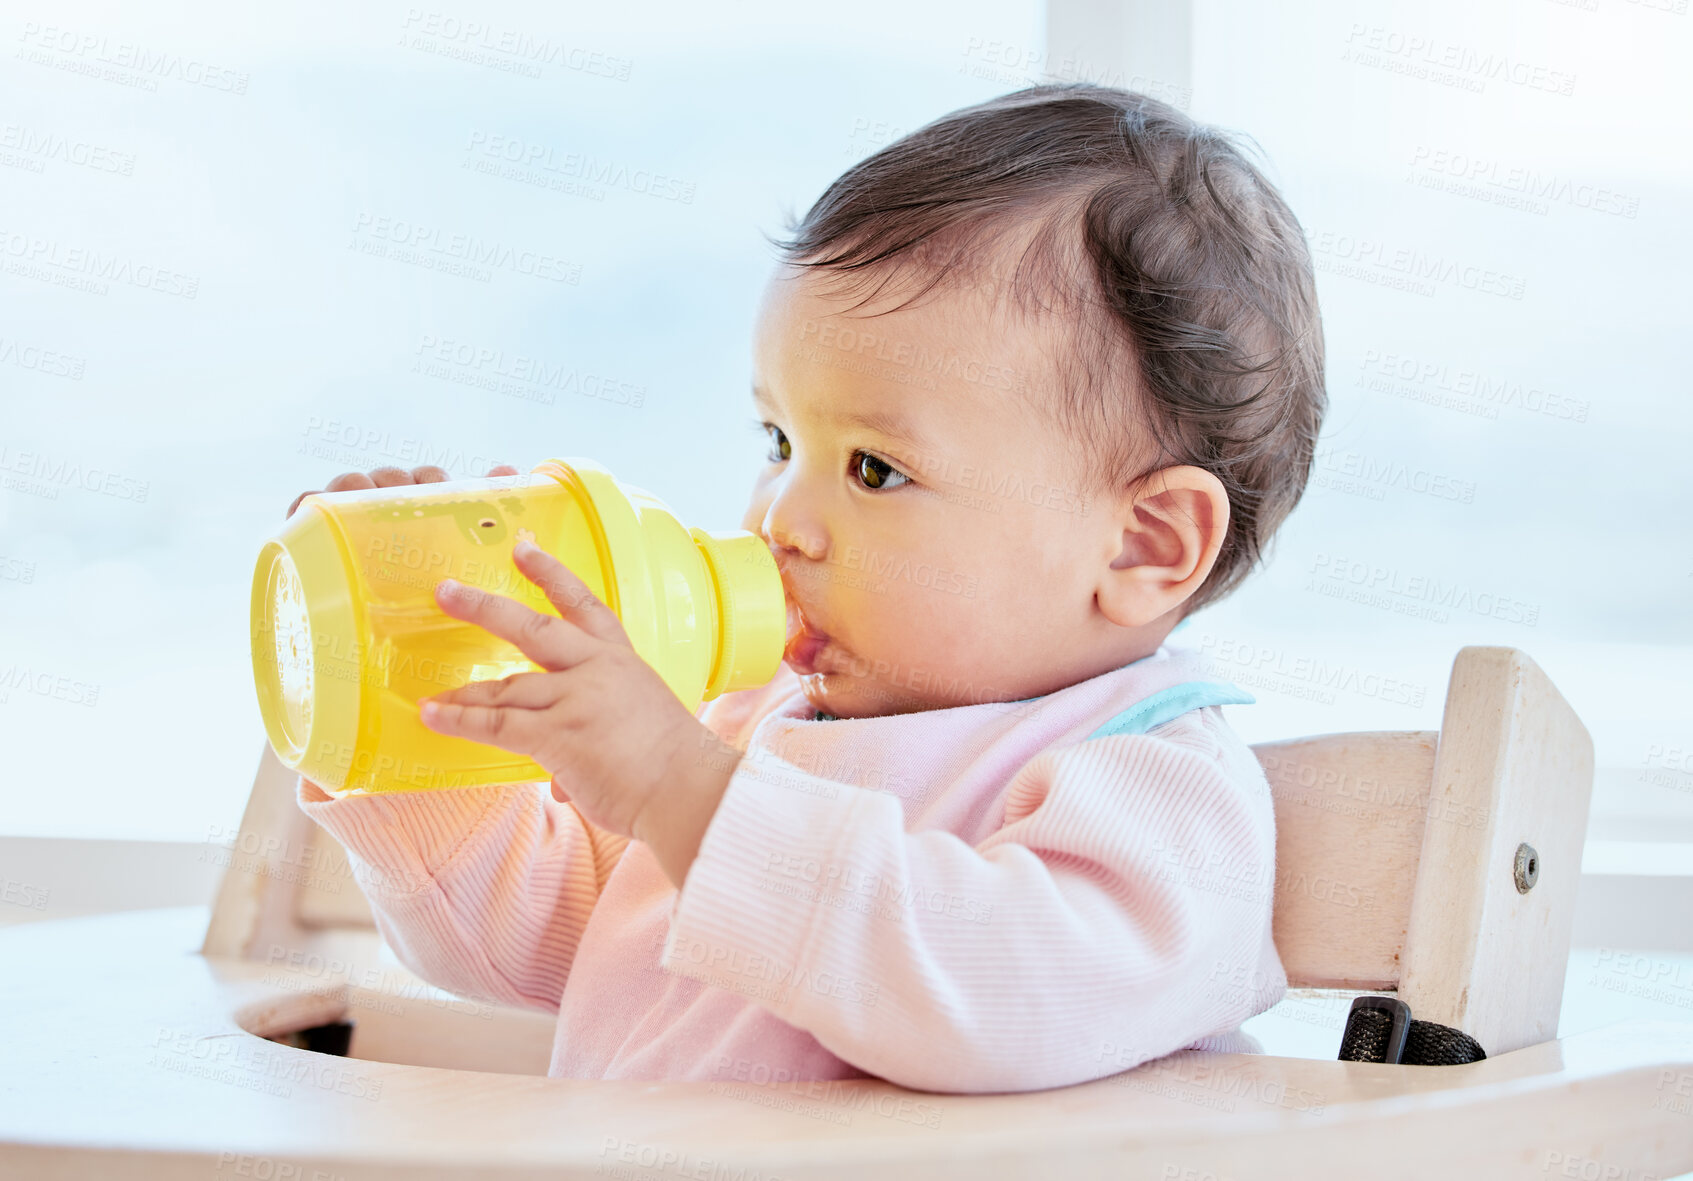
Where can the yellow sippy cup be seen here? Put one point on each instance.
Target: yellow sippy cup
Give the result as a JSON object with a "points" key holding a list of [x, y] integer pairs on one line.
{"points": [[347, 635]]}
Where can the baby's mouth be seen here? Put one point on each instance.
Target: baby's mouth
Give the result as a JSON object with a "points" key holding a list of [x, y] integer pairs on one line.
{"points": [[805, 643]]}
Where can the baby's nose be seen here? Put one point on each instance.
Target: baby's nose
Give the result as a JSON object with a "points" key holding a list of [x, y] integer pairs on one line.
{"points": [[787, 544]]}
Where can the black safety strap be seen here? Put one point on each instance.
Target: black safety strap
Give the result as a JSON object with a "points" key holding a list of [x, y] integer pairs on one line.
{"points": [[1381, 1029]]}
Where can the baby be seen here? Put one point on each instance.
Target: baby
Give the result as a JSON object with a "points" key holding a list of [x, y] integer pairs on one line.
{"points": [[1038, 381]]}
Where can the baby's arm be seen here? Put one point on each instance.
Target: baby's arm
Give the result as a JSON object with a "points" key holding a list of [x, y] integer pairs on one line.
{"points": [[1067, 946], [482, 891]]}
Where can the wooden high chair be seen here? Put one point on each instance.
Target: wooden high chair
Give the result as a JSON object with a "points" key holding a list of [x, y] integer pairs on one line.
{"points": [[136, 1050]]}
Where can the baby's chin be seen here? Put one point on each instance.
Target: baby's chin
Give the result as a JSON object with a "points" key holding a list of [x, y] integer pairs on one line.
{"points": [[843, 695], [829, 692]]}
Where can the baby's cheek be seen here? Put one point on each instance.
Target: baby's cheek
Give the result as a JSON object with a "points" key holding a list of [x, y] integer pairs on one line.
{"points": [[984, 627], [937, 625]]}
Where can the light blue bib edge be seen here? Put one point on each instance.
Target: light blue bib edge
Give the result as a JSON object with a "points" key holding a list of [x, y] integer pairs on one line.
{"points": [[1167, 704]]}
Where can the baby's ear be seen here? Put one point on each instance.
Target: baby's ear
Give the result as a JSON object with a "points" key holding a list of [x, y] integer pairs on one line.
{"points": [[1172, 525]]}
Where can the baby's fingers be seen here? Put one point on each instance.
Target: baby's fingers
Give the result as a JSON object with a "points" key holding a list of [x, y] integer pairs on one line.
{"points": [[536, 690], [345, 482], [566, 591], [349, 481], [516, 730], [391, 477], [549, 641]]}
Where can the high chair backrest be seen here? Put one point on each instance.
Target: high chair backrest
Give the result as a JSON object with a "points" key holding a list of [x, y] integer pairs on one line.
{"points": [[1443, 865]]}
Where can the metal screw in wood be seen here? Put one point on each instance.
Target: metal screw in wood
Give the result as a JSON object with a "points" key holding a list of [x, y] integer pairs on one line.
{"points": [[1527, 868]]}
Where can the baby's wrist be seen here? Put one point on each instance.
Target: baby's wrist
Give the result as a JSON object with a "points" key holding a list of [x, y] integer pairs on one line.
{"points": [[673, 823]]}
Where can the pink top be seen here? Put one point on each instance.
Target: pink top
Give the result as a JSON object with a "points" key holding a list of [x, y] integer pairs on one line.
{"points": [[995, 897]]}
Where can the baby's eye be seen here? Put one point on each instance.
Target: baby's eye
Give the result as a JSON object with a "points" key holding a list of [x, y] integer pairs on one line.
{"points": [[780, 448], [875, 473]]}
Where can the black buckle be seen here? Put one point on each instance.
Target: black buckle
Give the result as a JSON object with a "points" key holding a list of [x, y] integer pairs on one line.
{"points": [[1399, 1014]]}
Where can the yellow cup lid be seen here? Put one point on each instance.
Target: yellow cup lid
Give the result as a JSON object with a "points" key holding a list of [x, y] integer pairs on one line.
{"points": [[754, 624], [306, 670]]}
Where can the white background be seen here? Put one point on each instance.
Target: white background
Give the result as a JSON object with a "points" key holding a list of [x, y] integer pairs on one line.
{"points": [[295, 359]]}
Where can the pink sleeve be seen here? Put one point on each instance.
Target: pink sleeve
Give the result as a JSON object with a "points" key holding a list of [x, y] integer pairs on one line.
{"points": [[482, 891], [1080, 939]]}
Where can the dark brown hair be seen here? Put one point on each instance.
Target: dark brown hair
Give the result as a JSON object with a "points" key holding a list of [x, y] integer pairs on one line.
{"points": [[1172, 253]]}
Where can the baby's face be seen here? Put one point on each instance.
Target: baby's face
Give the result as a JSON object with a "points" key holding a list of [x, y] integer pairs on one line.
{"points": [[928, 522]]}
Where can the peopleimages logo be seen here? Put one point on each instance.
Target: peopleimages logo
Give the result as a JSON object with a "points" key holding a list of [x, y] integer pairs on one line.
{"points": [[480, 43], [47, 684], [532, 161], [38, 147], [1405, 267], [1375, 474], [414, 241], [40, 360], [48, 473], [1470, 175], [1265, 666], [34, 257], [1430, 59], [1417, 594], [519, 374], [149, 64], [1459, 387]]}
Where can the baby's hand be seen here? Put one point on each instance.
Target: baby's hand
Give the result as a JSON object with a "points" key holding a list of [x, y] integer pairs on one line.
{"points": [[616, 740], [390, 477]]}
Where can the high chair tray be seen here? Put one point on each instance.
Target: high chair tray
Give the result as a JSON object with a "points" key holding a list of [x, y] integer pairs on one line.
{"points": [[126, 1057]]}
